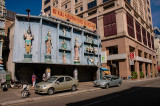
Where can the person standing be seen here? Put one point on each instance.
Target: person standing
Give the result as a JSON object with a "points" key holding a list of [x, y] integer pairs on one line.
{"points": [[44, 77], [34, 79]]}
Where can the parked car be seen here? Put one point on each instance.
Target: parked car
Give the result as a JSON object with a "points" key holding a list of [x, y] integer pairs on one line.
{"points": [[108, 81], [57, 83]]}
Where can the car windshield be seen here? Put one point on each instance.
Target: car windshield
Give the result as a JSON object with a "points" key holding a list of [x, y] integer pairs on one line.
{"points": [[106, 78], [52, 79]]}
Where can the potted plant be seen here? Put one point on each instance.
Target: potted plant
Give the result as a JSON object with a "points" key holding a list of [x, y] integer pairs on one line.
{"points": [[134, 75], [141, 74]]}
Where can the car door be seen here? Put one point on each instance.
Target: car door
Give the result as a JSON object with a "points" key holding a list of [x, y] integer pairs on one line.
{"points": [[69, 82], [59, 85], [113, 82]]}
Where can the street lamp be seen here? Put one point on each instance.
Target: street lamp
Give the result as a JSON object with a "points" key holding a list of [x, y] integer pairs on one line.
{"points": [[98, 63]]}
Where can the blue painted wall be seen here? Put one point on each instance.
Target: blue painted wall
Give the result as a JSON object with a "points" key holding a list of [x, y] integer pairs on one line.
{"points": [[39, 28]]}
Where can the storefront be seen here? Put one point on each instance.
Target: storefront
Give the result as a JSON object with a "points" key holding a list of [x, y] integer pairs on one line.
{"points": [[56, 45]]}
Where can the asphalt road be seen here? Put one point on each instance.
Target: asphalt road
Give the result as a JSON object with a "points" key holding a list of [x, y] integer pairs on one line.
{"points": [[129, 93]]}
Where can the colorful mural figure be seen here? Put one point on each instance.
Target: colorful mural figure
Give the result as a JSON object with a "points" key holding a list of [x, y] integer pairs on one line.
{"points": [[64, 31], [88, 60], [48, 43], [28, 40], [92, 60], [76, 49], [64, 45], [89, 39], [64, 57]]}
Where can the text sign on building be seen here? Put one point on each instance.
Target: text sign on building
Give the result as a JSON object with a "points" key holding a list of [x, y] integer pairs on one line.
{"points": [[131, 58], [74, 19], [103, 57]]}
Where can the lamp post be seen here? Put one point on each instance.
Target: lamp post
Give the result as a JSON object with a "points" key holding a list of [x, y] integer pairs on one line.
{"points": [[98, 63]]}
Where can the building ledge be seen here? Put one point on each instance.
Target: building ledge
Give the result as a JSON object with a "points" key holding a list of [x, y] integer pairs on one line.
{"points": [[117, 57], [141, 59]]}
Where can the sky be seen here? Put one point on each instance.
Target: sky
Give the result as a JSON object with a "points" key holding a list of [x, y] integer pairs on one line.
{"points": [[20, 6]]}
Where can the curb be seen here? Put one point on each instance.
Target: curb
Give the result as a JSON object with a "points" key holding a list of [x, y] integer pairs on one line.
{"points": [[45, 97], [140, 80]]}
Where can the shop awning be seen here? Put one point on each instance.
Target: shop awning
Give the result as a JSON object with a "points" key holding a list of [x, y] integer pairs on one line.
{"points": [[103, 69]]}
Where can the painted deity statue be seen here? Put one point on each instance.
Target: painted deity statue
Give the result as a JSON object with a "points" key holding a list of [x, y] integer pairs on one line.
{"points": [[64, 57], [48, 43], [28, 41], [87, 38], [76, 47], [64, 44], [64, 31]]}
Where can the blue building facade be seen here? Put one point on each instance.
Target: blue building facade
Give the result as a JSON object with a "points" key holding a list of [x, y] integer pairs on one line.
{"points": [[57, 44]]}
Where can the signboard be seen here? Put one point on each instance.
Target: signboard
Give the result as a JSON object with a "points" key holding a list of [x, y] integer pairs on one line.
{"points": [[131, 58], [72, 18], [131, 62], [103, 57], [131, 55]]}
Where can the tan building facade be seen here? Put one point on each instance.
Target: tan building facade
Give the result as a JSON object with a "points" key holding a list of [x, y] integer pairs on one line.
{"points": [[124, 25]]}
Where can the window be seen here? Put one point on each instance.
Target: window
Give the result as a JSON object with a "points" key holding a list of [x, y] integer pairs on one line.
{"points": [[47, 9], [76, 1], [149, 39], [92, 12], [138, 32], [57, 2], [144, 36], [66, 6], [61, 79], [149, 18], [129, 1], [152, 39], [46, 2], [76, 10], [148, 10], [81, 8], [139, 53], [109, 21], [106, 0], [109, 6], [92, 4], [68, 79], [130, 25], [53, 4], [94, 20]]}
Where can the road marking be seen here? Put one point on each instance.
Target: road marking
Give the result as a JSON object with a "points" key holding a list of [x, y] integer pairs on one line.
{"points": [[101, 100]]}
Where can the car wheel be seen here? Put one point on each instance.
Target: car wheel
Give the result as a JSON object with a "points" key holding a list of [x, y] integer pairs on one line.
{"points": [[107, 86], [74, 88], [50, 91], [119, 84]]}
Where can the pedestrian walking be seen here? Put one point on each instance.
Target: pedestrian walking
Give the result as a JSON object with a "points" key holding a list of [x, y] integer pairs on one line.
{"points": [[34, 79]]}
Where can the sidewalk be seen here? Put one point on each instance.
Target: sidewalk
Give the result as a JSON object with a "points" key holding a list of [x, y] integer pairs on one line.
{"points": [[142, 79], [13, 96]]}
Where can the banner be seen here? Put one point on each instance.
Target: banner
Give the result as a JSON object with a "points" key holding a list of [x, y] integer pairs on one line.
{"points": [[72, 18], [103, 57]]}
